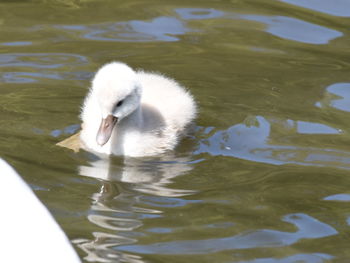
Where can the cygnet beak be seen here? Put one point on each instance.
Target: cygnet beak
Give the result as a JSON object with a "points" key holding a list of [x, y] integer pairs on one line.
{"points": [[105, 130]]}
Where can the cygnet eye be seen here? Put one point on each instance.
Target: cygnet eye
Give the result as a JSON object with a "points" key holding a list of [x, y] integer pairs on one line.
{"points": [[119, 103]]}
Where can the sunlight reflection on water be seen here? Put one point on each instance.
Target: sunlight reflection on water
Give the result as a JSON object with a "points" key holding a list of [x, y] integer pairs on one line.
{"points": [[135, 206], [254, 142], [336, 96], [163, 28], [198, 13], [312, 257], [308, 227], [17, 43], [48, 66], [159, 29], [41, 60], [295, 29], [142, 186], [169, 28], [335, 7]]}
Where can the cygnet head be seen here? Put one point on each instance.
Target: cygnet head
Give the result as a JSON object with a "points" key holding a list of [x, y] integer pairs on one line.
{"points": [[118, 94]]}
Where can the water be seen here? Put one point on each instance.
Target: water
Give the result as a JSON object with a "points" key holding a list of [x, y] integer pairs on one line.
{"points": [[265, 176]]}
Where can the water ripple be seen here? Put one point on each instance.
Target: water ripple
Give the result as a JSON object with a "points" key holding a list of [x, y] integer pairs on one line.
{"points": [[17, 43], [114, 223], [304, 127], [338, 197], [336, 96], [101, 248], [31, 77], [335, 7], [47, 65], [312, 257], [198, 13], [130, 193], [169, 28], [147, 177], [254, 141], [295, 29], [26, 77], [167, 201], [41, 60], [159, 29], [307, 228]]}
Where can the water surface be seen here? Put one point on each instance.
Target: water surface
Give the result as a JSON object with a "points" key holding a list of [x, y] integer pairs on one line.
{"points": [[265, 175]]}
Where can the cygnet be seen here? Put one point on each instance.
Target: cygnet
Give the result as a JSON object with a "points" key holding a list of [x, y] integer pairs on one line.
{"points": [[134, 113]]}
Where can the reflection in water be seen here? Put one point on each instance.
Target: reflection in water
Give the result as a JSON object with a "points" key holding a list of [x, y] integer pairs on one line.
{"points": [[198, 13], [168, 28], [307, 227], [17, 43], [26, 77], [47, 64], [135, 192], [151, 177], [303, 127], [163, 28], [295, 29], [41, 60], [30, 77], [259, 140], [159, 29], [138, 209], [132, 190], [71, 129], [336, 96], [312, 257], [338, 197], [334, 7]]}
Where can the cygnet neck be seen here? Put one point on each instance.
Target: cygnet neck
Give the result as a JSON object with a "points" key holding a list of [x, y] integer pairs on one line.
{"points": [[133, 120]]}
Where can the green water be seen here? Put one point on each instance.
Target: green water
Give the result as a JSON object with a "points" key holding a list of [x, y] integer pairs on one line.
{"points": [[264, 178]]}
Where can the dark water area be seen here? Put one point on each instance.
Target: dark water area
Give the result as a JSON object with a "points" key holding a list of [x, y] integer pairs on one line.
{"points": [[265, 177]]}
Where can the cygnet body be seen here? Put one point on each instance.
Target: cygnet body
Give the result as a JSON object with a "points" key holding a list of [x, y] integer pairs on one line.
{"points": [[134, 113]]}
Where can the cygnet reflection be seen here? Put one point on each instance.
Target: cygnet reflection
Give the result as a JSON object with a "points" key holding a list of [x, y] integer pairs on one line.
{"points": [[132, 190], [150, 175]]}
